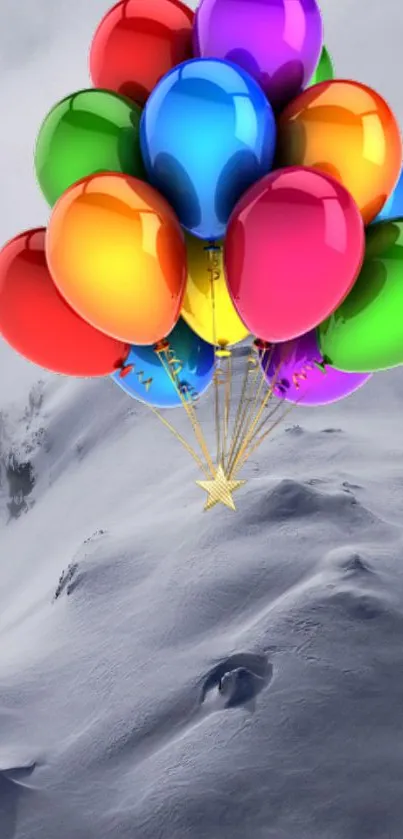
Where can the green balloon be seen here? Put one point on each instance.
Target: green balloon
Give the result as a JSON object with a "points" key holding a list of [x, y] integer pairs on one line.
{"points": [[88, 132], [324, 71], [365, 333]]}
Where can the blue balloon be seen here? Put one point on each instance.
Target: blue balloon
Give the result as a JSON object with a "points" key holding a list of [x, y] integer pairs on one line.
{"points": [[149, 381], [207, 133], [393, 209]]}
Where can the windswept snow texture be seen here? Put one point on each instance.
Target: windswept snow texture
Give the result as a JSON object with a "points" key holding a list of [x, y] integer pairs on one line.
{"points": [[170, 674]]}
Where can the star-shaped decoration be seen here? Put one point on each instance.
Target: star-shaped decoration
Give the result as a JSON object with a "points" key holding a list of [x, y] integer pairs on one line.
{"points": [[219, 489]]}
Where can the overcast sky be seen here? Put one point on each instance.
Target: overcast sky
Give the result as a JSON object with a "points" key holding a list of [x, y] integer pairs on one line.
{"points": [[43, 56]]}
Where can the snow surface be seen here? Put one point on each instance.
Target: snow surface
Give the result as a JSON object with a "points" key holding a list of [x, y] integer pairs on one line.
{"points": [[122, 604]]}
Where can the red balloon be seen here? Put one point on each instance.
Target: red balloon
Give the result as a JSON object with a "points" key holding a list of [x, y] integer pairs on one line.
{"points": [[293, 250], [137, 42], [37, 322]]}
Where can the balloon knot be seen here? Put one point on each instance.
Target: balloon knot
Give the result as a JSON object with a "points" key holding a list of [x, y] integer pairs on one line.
{"points": [[261, 345], [125, 370], [162, 346]]}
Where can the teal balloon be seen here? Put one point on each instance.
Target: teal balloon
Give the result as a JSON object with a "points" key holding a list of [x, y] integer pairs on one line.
{"points": [[325, 69], [365, 333], [393, 209], [88, 132]]}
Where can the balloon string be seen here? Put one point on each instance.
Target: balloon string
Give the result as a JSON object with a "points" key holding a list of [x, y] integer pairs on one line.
{"points": [[170, 364], [254, 420], [267, 419], [215, 273], [178, 436], [227, 407], [241, 462], [245, 406], [277, 406], [259, 386], [250, 367], [254, 441], [250, 401]]}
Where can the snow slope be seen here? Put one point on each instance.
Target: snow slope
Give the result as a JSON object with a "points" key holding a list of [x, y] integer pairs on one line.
{"points": [[122, 604]]}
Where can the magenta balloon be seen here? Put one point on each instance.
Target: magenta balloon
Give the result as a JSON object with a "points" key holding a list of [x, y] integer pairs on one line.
{"points": [[293, 249], [279, 42], [300, 378]]}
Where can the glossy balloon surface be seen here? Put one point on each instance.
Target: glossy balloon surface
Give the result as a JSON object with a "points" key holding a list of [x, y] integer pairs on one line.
{"points": [[145, 377], [324, 70], [296, 369], [117, 254], [207, 133], [293, 250], [137, 42], [88, 132], [207, 306], [37, 322], [393, 209], [366, 331], [277, 41], [346, 130]]}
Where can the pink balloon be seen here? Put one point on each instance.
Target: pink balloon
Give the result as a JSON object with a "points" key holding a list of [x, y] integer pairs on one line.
{"points": [[293, 250]]}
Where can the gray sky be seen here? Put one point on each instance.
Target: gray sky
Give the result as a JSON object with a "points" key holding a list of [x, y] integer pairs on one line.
{"points": [[43, 57]]}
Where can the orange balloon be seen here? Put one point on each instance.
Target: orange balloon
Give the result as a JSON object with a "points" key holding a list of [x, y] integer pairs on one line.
{"points": [[117, 254], [347, 130]]}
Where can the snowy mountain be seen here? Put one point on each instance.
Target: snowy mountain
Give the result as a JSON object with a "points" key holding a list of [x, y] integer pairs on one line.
{"points": [[167, 673]]}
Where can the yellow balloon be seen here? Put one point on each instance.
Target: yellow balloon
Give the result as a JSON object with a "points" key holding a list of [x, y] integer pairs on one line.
{"points": [[197, 307]]}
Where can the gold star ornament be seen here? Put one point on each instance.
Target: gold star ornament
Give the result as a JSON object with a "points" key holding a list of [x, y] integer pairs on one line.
{"points": [[219, 489]]}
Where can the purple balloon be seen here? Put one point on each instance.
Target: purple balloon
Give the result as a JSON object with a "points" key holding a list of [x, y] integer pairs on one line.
{"points": [[278, 42], [302, 377]]}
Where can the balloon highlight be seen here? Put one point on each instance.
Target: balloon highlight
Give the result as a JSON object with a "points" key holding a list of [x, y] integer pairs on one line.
{"points": [[37, 322], [293, 250], [366, 331], [144, 375], [136, 43], [277, 42], [88, 132], [207, 306], [207, 133], [298, 374], [117, 254], [347, 130]]}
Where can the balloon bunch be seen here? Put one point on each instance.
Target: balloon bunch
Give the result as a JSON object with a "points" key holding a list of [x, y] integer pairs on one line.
{"points": [[216, 182]]}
